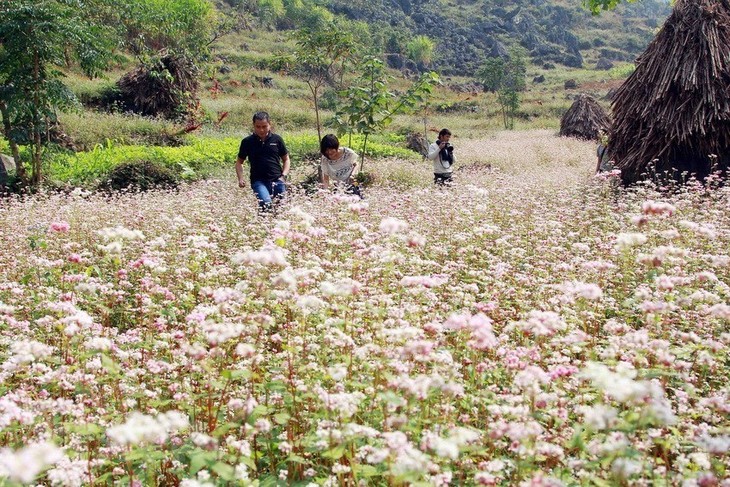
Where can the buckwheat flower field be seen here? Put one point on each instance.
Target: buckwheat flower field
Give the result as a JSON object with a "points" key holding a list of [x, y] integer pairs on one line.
{"points": [[532, 325]]}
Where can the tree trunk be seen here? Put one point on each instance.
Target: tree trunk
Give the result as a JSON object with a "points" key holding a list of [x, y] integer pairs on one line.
{"points": [[19, 168], [362, 156], [316, 115], [35, 179]]}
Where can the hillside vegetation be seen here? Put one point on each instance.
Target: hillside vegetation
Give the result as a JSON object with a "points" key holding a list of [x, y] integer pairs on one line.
{"points": [[556, 32], [242, 71]]}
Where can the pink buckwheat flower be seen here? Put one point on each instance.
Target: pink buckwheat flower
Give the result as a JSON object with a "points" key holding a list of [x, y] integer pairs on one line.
{"points": [[651, 207], [60, 226]]}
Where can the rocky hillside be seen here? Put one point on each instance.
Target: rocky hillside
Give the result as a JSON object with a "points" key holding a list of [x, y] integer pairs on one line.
{"points": [[552, 32]]}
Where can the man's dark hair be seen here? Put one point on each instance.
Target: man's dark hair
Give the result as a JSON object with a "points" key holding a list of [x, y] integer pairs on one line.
{"points": [[329, 141], [444, 132], [261, 116]]}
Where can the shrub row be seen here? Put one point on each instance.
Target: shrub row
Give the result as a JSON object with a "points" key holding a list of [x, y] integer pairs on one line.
{"points": [[194, 160]]}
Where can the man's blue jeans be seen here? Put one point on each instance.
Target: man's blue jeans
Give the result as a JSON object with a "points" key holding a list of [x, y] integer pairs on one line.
{"points": [[266, 190]]}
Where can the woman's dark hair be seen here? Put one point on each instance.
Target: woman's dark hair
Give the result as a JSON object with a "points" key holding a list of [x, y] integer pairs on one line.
{"points": [[329, 141], [444, 132]]}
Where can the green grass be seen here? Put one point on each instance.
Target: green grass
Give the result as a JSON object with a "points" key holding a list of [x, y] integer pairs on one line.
{"points": [[197, 159]]}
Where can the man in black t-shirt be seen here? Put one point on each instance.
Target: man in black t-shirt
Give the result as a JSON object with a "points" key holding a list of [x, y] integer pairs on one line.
{"points": [[269, 161]]}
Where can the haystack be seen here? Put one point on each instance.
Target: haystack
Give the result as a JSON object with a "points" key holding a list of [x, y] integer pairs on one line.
{"points": [[584, 119], [671, 118], [166, 87]]}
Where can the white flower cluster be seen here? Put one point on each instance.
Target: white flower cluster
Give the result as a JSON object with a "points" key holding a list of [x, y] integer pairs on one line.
{"points": [[408, 458], [143, 428], [115, 236], [577, 289], [619, 385], [449, 446], [651, 207], [218, 333], [304, 218], [25, 464], [266, 256], [26, 351], [423, 281], [542, 323], [628, 240], [342, 403], [120, 233], [343, 287], [98, 343], [623, 387], [393, 225]]}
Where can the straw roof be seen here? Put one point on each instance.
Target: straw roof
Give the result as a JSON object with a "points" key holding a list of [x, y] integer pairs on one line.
{"points": [[584, 119], [164, 87], [672, 115]]}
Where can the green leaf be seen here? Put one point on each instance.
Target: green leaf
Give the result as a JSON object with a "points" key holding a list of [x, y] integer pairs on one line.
{"points": [[224, 471], [335, 453], [223, 429], [281, 418], [201, 459], [85, 429], [293, 458], [109, 364], [366, 471], [236, 374]]}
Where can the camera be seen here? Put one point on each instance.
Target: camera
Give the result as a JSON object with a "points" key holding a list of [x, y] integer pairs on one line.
{"points": [[447, 155]]}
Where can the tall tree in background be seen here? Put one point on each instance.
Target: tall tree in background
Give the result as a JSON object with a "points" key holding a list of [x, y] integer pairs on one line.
{"points": [[36, 38], [506, 77], [320, 58]]}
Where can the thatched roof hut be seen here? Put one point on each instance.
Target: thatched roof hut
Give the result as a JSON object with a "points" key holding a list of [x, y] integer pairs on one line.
{"points": [[166, 87], [672, 115], [584, 119]]}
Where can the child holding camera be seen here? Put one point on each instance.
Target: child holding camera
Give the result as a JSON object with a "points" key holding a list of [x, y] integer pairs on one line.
{"points": [[441, 153]]}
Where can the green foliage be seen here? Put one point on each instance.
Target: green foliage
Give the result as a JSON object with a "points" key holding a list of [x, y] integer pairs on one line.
{"points": [[368, 107], [37, 38], [507, 78], [270, 10], [420, 49], [621, 72], [140, 175], [596, 6], [320, 57], [89, 168], [196, 160], [492, 73], [181, 25]]}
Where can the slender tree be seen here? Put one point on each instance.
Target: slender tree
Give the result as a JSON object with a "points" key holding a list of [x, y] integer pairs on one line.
{"points": [[320, 59], [506, 77], [370, 107], [37, 37]]}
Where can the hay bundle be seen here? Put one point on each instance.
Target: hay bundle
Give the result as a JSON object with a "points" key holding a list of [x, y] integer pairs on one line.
{"points": [[672, 115], [166, 87], [584, 119]]}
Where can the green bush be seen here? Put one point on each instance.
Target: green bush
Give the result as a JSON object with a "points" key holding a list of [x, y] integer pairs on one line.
{"points": [[195, 160], [140, 175]]}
